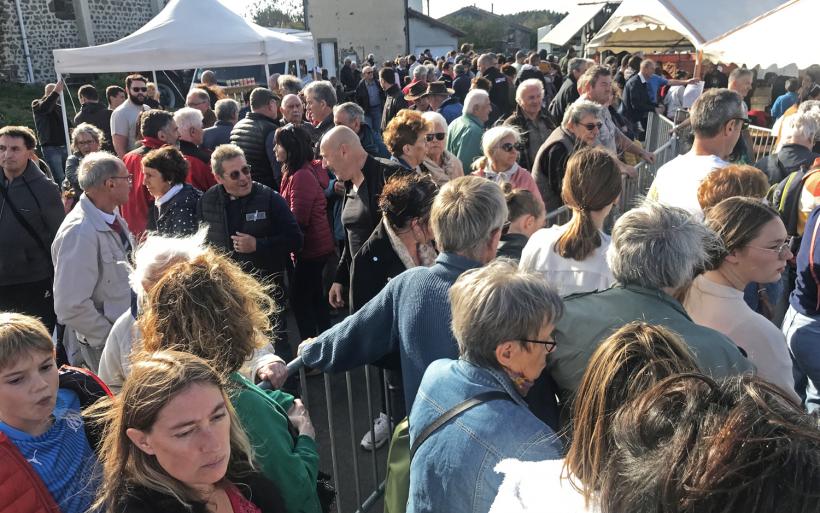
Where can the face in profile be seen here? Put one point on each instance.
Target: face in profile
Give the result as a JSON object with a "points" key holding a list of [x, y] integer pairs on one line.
{"points": [[191, 436]]}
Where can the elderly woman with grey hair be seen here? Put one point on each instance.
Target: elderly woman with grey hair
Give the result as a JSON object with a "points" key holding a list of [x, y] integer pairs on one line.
{"points": [[502, 319], [442, 165], [654, 254], [500, 161], [85, 139], [580, 127]]}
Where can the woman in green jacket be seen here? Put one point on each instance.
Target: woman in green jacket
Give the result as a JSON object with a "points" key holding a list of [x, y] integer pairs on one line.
{"points": [[209, 307]]}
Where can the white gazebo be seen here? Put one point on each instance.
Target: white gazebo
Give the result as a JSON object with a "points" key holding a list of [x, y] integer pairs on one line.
{"points": [[187, 34]]}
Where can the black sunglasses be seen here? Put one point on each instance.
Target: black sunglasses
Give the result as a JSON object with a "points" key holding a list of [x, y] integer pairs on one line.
{"points": [[245, 170], [746, 122], [438, 135], [139, 89], [508, 147], [549, 343], [592, 126]]}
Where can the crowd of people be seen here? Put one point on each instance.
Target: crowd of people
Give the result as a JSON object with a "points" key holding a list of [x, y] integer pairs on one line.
{"points": [[397, 216]]}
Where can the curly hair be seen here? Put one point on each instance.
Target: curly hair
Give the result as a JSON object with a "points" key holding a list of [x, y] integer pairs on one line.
{"points": [[405, 128], [211, 308], [407, 197], [169, 161]]}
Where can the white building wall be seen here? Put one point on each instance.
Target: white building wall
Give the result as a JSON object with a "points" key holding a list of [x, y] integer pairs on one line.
{"points": [[423, 36]]}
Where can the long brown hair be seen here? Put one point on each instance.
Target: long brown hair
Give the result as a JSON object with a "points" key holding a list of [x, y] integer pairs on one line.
{"points": [[155, 379], [626, 364], [737, 221], [209, 307], [592, 182]]}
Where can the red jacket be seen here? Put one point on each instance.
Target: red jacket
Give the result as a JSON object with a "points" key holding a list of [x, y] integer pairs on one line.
{"points": [[135, 211], [21, 489], [304, 193], [199, 172]]}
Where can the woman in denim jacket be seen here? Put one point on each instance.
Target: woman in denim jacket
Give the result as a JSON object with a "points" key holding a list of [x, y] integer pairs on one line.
{"points": [[502, 320]]}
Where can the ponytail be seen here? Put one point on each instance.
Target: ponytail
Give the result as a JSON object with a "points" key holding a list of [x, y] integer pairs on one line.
{"points": [[591, 183]]}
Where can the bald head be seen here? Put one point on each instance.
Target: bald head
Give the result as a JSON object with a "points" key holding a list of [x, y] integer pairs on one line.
{"points": [[342, 153], [339, 135]]}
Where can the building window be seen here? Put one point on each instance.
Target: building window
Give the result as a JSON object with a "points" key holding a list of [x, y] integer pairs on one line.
{"points": [[62, 9]]}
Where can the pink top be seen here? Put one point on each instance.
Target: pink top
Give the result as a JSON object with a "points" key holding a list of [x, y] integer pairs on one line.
{"points": [[239, 503], [519, 179]]}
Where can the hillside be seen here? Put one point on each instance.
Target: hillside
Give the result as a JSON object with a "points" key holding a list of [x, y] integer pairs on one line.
{"points": [[486, 30]]}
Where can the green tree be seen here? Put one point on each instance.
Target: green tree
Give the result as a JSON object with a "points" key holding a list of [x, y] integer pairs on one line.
{"points": [[277, 13]]}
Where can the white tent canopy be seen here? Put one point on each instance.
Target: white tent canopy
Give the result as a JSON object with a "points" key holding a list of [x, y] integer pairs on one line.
{"points": [[670, 25], [187, 34], [572, 23], [747, 44]]}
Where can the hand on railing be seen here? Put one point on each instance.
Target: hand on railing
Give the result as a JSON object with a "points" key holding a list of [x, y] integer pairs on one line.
{"points": [[300, 419], [647, 156], [274, 373], [628, 170]]}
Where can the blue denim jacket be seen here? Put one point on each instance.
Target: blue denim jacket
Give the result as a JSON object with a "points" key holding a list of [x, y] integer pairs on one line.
{"points": [[453, 470]]}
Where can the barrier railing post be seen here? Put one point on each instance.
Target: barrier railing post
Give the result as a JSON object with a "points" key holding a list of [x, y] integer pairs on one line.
{"points": [[334, 463], [353, 444]]}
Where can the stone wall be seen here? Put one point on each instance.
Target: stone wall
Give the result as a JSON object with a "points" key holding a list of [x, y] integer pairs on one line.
{"points": [[112, 20]]}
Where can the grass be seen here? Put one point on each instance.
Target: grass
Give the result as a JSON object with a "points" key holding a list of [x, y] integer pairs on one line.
{"points": [[15, 99]]}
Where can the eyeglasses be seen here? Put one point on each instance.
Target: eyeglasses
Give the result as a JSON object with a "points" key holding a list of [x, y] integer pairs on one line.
{"points": [[129, 178], [510, 147], [782, 250], [592, 126], [746, 122], [139, 89], [436, 136], [244, 170], [549, 343], [86, 142]]}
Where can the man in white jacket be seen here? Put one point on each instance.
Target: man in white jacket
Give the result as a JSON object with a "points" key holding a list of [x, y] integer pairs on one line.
{"points": [[90, 254]]}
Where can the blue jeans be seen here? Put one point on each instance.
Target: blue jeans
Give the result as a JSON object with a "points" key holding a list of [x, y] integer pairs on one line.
{"points": [[803, 336], [374, 115], [55, 157]]}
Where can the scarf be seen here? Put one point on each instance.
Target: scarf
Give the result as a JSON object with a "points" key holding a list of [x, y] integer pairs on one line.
{"points": [[426, 253], [502, 177]]}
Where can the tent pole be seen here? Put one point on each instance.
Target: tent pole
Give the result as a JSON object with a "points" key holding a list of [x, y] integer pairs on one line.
{"points": [[65, 115], [154, 73], [698, 63], [267, 71]]}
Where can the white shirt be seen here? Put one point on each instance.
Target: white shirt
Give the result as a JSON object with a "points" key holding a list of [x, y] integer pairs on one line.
{"points": [[565, 275], [537, 487], [677, 181], [723, 309], [169, 194]]}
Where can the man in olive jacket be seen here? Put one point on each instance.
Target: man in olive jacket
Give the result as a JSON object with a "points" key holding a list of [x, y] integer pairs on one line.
{"points": [[654, 253], [27, 196]]}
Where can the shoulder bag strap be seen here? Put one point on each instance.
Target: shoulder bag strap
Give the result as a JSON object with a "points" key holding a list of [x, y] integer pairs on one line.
{"points": [[25, 224], [454, 412]]}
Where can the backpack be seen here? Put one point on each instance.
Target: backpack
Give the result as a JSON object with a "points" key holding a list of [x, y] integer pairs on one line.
{"points": [[785, 198]]}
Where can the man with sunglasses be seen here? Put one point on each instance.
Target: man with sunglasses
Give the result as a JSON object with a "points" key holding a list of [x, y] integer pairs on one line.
{"points": [[251, 223], [717, 117], [124, 117]]}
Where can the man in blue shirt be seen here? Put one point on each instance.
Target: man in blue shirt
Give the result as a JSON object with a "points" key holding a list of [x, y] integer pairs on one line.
{"points": [[784, 101]]}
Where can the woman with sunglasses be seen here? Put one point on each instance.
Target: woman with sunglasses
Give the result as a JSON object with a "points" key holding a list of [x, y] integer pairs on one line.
{"points": [[580, 127], [503, 319], [500, 161], [406, 138], [442, 165], [303, 185], [755, 249]]}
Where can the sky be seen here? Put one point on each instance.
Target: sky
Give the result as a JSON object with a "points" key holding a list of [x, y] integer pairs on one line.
{"points": [[440, 8]]}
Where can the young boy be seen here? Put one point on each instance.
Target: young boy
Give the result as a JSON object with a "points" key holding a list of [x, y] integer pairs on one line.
{"points": [[41, 428]]}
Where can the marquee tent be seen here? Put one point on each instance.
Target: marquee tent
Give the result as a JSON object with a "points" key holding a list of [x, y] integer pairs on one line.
{"points": [[750, 44], [674, 25], [572, 23]]}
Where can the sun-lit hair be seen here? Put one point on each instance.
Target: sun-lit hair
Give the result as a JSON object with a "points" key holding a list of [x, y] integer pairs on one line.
{"points": [[729, 181], [20, 334]]}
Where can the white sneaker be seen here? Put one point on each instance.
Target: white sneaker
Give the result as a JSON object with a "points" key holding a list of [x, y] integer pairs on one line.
{"points": [[381, 433]]}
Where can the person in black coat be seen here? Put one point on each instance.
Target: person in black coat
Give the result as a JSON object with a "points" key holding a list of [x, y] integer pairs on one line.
{"points": [[172, 443], [568, 92], [636, 103], [394, 99], [94, 113], [526, 215], [400, 241], [173, 211], [499, 86]]}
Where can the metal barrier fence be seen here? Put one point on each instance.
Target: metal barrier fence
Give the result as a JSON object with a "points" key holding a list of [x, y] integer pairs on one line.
{"points": [[763, 142]]}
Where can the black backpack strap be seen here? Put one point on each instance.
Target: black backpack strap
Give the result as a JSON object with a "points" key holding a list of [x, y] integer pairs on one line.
{"points": [[454, 412], [25, 224]]}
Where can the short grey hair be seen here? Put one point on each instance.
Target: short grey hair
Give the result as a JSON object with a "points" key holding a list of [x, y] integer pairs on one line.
{"points": [[352, 110], [188, 117], [808, 105], [158, 253], [577, 64], [197, 93], [530, 82], [487, 59], [98, 167], [657, 246], [473, 99], [802, 125], [289, 84], [226, 109], [222, 153], [713, 109], [89, 129], [465, 213], [419, 72], [578, 110], [497, 303], [322, 90], [434, 117], [495, 135]]}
